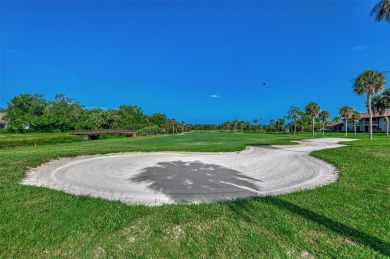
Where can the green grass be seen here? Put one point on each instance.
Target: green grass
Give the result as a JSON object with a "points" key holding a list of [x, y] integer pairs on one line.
{"points": [[349, 218], [31, 139]]}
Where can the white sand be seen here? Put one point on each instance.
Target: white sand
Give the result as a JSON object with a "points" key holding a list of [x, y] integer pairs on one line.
{"points": [[169, 177]]}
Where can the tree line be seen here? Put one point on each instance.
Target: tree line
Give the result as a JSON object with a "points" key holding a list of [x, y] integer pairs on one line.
{"points": [[32, 112]]}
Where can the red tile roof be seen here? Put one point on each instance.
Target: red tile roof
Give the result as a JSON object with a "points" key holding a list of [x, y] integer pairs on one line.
{"points": [[334, 124], [365, 115]]}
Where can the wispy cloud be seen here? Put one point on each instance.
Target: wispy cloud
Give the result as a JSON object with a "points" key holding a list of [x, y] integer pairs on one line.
{"points": [[215, 96], [359, 47]]}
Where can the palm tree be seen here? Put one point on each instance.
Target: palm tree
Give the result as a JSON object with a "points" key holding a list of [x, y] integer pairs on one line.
{"points": [[235, 125], [386, 101], [346, 113], [272, 124], [324, 116], [381, 10], [255, 121], [248, 125], [242, 125], [281, 123], [356, 117], [293, 114], [260, 124], [379, 106], [174, 122], [386, 97], [312, 109], [166, 127], [369, 82]]}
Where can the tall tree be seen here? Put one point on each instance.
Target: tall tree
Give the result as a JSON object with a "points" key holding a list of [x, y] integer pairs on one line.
{"points": [[346, 113], [272, 125], [293, 114], [381, 10], [64, 112], [324, 116], [235, 122], [173, 122], [281, 124], [356, 117], [260, 120], [369, 82], [312, 109], [386, 97], [25, 112], [386, 101], [379, 106], [255, 121]]}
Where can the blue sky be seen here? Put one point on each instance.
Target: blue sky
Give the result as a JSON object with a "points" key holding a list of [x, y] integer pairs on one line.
{"points": [[197, 61]]}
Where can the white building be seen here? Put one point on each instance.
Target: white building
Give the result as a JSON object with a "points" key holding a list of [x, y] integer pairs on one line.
{"points": [[378, 123], [3, 123]]}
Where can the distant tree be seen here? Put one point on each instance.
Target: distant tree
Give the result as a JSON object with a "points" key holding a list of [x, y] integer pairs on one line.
{"points": [[226, 125], [272, 125], [149, 130], [381, 11], [248, 125], [242, 125], [188, 127], [133, 117], [25, 112], [255, 121], [281, 124], [92, 119], [380, 105], [356, 117], [369, 82], [158, 119], [260, 120], [324, 115], [166, 127], [182, 124], [336, 119], [303, 121], [312, 109], [346, 113], [64, 112], [386, 97], [235, 122], [293, 114], [173, 123]]}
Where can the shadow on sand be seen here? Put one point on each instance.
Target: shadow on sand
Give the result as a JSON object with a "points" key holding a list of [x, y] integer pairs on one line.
{"points": [[196, 181]]}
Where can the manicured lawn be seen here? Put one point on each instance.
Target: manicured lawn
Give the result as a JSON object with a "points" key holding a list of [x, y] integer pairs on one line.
{"points": [[349, 218], [32, 139]]}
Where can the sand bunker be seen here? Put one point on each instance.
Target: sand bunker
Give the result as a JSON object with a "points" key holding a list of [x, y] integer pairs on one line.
{"points": [[169, 177]]}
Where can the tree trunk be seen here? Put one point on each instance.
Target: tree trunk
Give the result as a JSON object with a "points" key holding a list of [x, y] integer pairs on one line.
{"points": [[323, 128], [355, 128], [387, 125], [295, 126], [346, 127], [312, 123], [369, 115]]}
